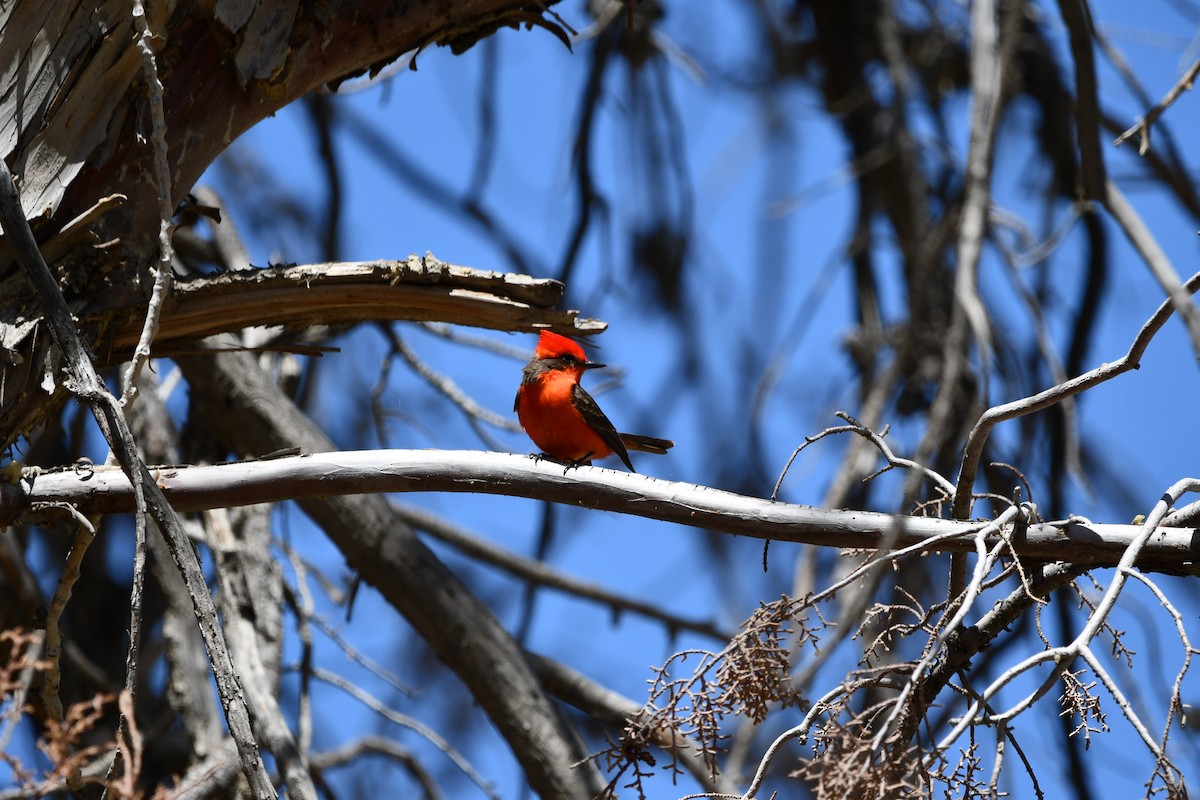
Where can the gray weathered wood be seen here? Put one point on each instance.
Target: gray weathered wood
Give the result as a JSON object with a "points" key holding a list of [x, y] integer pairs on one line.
{"points": [[1170, 550]]}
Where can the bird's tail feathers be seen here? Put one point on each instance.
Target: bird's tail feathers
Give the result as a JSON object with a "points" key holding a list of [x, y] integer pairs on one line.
{"points": [[646, 444]]}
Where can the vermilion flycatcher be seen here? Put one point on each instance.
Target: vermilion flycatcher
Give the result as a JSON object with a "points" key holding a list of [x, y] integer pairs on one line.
{"points": [[563, 419]]}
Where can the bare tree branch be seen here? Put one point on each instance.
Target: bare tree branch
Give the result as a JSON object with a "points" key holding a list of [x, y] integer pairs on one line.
{"points": [[85, 532], [1047, 398], [1078, 19], [614, 710], [88, 386], [1135, 228], [419, 288], [329, 474], [394, 716], [166, 207], [248, 599], [349, 754], [537, 573], [1142, 128]]}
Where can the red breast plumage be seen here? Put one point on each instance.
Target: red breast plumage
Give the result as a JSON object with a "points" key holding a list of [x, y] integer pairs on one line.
{"points": [[560, 416]]}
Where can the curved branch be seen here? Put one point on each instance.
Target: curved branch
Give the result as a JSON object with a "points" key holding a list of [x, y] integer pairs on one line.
{"points": [[417, 288], [1142, 128], [1042, 400], [538, 573], [329, 474], [1151, 252]]}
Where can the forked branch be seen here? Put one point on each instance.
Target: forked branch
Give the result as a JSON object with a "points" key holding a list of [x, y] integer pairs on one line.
{"points": [[1056, 394], [1142, 128]]}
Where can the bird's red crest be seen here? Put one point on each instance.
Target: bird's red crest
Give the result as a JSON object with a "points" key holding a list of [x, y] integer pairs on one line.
{"points": [[553, 345]]}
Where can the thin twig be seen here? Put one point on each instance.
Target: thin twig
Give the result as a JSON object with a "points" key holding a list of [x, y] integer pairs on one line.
{"points": [[127, 727], [537, 573], [76, 229], [464, 336], [1042, 400], [130, 744], [163, 276], [304, 612], [241, 591], [877, 439], [26, 650], [406, 721], [1142, 128], [1071, 444], [985, 562], [798, 732], [379, 745], [86, 384], [986, 84], [1089, 657], [447, 387], [354, 655], [1176, 702], [1062, 656], [85, 533], [1138, 233], [614, 710]]}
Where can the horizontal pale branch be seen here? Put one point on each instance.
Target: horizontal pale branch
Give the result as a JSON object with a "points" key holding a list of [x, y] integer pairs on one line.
{"points": [[103, 490], [419, 289]]}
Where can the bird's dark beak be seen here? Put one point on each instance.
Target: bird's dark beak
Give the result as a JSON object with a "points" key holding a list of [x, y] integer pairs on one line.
{"points": [[592, 365]]}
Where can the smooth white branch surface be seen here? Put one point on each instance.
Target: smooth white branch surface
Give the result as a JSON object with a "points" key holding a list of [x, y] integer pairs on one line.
{"points": [[106, 490]]}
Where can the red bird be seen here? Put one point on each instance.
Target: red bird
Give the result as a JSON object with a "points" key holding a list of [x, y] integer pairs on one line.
{"points": [[561, 418]]}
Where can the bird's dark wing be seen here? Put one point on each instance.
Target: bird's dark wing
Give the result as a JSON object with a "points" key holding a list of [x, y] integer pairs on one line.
{"points": [[595, 418]]}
